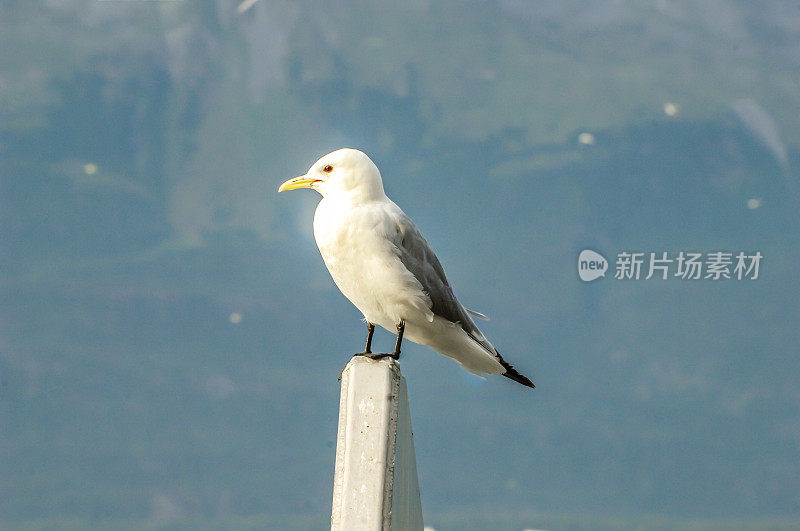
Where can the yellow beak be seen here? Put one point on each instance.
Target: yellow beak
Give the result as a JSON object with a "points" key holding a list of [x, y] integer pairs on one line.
{"points": [[298, 182]]}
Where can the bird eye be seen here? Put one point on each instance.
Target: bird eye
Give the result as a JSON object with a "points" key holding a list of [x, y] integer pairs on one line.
{"points": [[328, 168]]}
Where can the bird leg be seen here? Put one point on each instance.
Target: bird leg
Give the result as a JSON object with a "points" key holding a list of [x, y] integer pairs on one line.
{"points": [[368, 347], [401, 326], [370, 331]]}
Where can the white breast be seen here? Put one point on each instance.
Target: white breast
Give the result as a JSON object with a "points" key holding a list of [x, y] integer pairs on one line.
{"points": [[355, 243]]}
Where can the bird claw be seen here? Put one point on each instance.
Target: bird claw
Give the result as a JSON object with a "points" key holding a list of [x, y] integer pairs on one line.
{"points": [[380, 356], [371, 355]]}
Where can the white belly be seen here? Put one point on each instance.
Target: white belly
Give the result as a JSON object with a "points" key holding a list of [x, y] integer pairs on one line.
{"points": [[365, 266]]}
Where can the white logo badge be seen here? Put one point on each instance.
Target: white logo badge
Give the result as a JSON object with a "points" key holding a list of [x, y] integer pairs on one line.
{"points": [[591, 265]]}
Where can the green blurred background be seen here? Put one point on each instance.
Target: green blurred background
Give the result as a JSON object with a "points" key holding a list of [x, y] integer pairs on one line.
{"points": [[170, 339]]}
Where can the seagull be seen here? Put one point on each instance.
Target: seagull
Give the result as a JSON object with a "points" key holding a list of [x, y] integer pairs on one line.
{"points": [[381, 262]]}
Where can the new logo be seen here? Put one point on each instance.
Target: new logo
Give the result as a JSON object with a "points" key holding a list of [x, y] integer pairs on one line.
{"points": [[591, 265]]}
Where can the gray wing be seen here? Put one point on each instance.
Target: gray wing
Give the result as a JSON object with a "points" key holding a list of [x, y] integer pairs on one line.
{"points": [[418, 257]]}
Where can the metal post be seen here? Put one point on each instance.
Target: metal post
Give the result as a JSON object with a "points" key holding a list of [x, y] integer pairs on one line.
{"points": [[375, 483]]}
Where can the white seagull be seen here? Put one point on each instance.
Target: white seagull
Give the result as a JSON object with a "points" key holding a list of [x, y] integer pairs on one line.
{"points": [[381, 262]]}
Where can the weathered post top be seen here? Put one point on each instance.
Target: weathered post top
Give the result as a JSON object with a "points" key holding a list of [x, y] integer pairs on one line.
{"points": [[375, 478]]}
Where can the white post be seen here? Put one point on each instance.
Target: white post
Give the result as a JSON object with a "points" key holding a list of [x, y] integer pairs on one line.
{"points": [[375, 478]]}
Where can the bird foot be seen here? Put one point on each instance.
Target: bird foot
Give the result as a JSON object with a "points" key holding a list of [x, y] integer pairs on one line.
{"points": [[373, 356], [380, 356]]}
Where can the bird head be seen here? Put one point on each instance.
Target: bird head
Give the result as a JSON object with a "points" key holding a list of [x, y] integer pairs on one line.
{"points": [[345, 173]]}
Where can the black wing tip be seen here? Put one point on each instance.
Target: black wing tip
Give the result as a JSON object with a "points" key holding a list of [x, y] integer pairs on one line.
{"points": [[512, 373], [517, 377]]}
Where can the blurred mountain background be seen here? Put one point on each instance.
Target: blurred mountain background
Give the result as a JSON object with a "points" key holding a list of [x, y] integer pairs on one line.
{"points": [[170, 339]]}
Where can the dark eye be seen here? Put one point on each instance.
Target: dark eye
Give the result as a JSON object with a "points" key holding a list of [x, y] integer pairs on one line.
{"points": [[328, 168]]}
